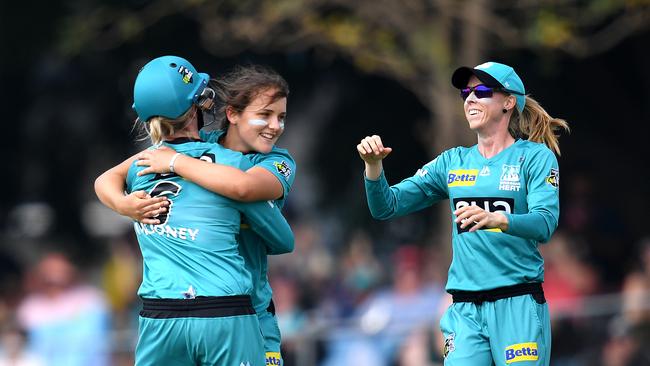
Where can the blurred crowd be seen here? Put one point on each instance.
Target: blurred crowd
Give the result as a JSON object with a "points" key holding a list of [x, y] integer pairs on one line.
{"points": [[359, 302]]}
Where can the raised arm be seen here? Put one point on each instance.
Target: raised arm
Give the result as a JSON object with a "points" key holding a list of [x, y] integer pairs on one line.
{"points": [[410, 195], [254, 184], [109, 187]]}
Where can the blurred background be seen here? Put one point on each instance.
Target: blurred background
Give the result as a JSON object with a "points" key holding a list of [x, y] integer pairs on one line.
{"points": [[355, 291]]}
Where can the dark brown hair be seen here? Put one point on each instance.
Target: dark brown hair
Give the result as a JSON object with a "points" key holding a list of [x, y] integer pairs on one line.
{"points": [[238, 88]]}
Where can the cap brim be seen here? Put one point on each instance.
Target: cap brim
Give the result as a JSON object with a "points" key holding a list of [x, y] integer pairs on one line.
{"points": [[460, 77]]}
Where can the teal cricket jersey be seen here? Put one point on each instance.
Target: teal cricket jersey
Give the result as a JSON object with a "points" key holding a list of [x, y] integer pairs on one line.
{"points": [[194, 251], [253, 247], [522, 181]]}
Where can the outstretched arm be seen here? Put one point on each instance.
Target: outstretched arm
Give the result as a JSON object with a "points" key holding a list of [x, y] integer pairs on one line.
{"points": [[386, 201], [254, 184], [137, 205]]}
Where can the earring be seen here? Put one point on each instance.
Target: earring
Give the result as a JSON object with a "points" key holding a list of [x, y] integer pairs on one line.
{"points": [[505, 110]]}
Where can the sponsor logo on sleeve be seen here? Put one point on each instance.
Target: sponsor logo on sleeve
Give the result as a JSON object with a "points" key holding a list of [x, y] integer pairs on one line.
{"points": [[282, 168], [510, 178], [462, 177], [553, 178], [522, 352]]}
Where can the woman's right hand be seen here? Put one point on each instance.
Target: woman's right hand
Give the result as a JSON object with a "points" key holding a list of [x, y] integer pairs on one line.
{"points": [[372, 150], [141, 207]]}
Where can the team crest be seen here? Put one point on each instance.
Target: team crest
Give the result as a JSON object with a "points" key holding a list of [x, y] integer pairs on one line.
{"points": [[553, 178], [449, 345], [187, 74], [510, 178], [282, 168]]}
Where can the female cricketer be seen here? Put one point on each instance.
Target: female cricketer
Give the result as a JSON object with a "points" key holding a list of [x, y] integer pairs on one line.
{"points": [[195, 290], [503, 196]]}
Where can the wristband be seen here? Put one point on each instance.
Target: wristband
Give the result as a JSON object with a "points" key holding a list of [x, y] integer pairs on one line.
{"points": [[172, 161]]}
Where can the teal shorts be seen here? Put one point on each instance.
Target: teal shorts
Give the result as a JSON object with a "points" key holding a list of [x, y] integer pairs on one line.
{"points": [[211, 334], [271, 334], [510, 331]]}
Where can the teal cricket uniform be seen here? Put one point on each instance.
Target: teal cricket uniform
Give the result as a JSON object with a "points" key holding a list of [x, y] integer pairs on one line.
{"points": [[194, 254], [522, 181], [254, 249]]}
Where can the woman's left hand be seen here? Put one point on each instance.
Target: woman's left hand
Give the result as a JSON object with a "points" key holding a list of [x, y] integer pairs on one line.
{"points": [[479, 218], [156, 161]]}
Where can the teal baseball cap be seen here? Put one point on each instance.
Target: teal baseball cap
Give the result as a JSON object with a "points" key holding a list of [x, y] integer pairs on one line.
{"points": [[494, 75]]}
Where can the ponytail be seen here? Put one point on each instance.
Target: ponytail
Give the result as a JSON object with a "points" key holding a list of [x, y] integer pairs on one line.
{"points": [[535, 124], [159, 128]]}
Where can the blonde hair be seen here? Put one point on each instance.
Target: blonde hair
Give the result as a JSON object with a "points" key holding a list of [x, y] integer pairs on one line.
{"points": [[535, 124], [158, 128]]}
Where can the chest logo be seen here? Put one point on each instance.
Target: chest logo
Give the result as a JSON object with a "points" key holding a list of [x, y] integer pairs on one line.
{"points": [[485, 172], [510, 178], [462, 177]]}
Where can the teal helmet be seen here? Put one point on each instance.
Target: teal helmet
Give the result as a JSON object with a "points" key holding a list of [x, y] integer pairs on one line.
{"points": [[167, 86]]}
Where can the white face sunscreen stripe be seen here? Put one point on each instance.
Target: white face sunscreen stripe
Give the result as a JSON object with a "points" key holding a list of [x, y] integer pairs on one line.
{"points": [[282, 125], [257, 122]]}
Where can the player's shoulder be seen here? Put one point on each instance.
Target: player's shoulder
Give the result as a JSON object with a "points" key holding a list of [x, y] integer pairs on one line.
{"points": [[277, 153], [534, 148], [452, 154], [211, 135]]}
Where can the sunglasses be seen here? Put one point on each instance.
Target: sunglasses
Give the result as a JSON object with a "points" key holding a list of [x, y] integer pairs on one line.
{"points": [[481, 91]]}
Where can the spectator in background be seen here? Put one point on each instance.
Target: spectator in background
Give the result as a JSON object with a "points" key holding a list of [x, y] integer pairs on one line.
{"points": [[12, 347], [630, 332], [568, 276], [393, 320], [636, 289], [66, 320]]}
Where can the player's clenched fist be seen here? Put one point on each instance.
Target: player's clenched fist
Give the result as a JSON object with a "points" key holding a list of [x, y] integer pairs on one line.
{"points": [[372, 150]]}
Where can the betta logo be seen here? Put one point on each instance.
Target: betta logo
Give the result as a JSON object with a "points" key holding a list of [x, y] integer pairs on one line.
{"points": [[522, 352], [462, 177], [273, 359]]}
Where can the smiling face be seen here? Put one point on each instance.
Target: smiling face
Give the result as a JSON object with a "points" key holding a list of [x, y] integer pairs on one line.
{"points": [[482, 113], [259, 125]]}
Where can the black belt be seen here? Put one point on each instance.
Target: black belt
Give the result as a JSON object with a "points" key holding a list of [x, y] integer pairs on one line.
{"points": [[479, 297], [271, 308], [199, 307]]}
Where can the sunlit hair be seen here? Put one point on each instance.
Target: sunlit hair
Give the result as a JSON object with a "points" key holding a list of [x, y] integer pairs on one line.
{"points": [[238, 88], [159, 128], [535, 124]]}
